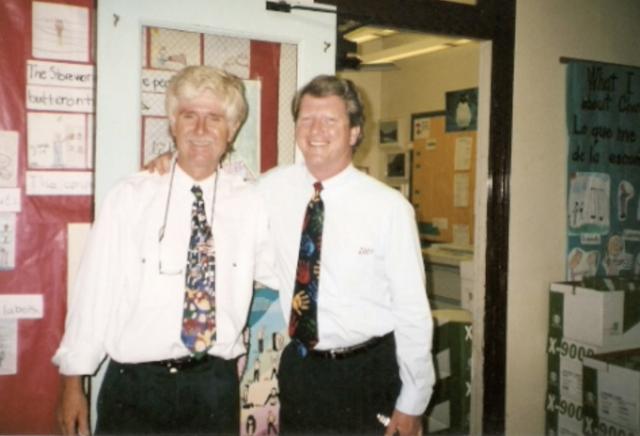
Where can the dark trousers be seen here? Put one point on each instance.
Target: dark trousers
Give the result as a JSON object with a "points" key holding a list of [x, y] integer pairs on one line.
{"points": [[323, 396], [148, 399]]}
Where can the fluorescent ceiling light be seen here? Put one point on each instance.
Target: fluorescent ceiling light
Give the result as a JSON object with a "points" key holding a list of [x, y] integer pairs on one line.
{"points": [[364, 34], [429, 45]]}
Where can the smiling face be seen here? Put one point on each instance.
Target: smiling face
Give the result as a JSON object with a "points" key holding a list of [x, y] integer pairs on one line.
{"points": [[202, 133], [324, 136]]}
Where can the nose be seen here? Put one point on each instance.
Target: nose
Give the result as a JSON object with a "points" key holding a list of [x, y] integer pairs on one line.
{"points": [[317, 125], [201, 124]]}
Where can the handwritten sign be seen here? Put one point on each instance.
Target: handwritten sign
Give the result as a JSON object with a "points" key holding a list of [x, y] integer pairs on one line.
{"points": [[59, 183], [60, 74], [10, 200], [59, 99], [602, 119], [155, 80], [18, 306]]}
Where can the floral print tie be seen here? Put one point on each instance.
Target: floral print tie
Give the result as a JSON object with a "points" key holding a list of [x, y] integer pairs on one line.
{"points": [[199, 313], [303, 324]]}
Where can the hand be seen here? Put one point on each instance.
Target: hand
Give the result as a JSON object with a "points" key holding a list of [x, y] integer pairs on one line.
{"points": [[300, 302], [72, 411], [404, 424], [160, 163]]}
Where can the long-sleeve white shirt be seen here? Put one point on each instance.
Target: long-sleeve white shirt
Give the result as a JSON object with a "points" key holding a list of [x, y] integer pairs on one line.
{"points": [[122, 306], [371, 271]]}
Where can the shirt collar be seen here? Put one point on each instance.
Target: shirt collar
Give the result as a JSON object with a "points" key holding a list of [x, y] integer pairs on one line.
{"points": [[183, 181], [333, 182]]}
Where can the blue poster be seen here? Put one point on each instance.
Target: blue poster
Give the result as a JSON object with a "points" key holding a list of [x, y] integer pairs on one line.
{"points": [[603, 211], [265, 336]]}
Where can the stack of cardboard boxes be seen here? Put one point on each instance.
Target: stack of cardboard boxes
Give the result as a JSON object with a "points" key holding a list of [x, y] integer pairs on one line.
{"points": [[588, 318], [448, 411]]}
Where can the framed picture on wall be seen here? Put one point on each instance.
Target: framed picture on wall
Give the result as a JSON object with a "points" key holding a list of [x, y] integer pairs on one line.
{"points": [[389, 133], [397, 165], [462, 110]]}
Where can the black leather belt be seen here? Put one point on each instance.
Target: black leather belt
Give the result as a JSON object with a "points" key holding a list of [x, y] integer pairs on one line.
{"points": [[344, 353], [182, 363]]}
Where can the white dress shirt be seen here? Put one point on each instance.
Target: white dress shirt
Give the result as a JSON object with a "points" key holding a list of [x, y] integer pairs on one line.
{"points": [[372, 275], [124, 307]]}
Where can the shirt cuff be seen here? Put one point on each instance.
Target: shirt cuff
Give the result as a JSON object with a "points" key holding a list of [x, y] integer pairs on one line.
{"points": [[412, 402]]}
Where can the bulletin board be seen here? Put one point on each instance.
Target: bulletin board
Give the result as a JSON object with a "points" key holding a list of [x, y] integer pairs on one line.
{"points": [[443, 181], [46, 105], [603, 181]]}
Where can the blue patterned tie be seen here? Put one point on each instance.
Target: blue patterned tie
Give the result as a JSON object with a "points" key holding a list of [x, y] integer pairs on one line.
{"points": [[303, 325], [199, 314]]}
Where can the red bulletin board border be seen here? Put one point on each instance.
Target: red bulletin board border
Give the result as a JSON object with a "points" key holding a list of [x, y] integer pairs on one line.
{"points": [[28, 399]]}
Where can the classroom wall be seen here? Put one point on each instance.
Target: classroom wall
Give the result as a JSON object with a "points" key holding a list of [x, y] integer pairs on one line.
{"points": [[386, 94], [545, 31]]}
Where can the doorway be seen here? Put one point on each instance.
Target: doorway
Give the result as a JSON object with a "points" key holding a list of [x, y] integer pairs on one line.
{"points": [[411, 84]]}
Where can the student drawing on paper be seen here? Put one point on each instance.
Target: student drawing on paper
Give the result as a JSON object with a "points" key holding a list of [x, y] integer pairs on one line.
{"points": [[59, 29], [625, 193], [592, 264], [615, 257], [271, 423], [250, 425], [575, 258], [5, 167], [164, 57], [4, 258]]}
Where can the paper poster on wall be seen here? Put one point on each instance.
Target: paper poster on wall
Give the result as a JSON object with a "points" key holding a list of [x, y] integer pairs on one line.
{"points": [[7, 241], [69, 75], [461, 190], [173, 49], [21, 306], [265, 337], [8, 159], [60, 32], [247, 144], [421, 127], [156, 137], [59, 183], [603, 177], [462, 110], [228, 53], [8, 346], [461, 234], [10, 200], [153, 85], [462, 158], [57, 141], [59, 99]]}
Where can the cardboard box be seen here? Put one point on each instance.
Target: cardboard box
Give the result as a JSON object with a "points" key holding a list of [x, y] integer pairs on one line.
{"points": [[611, 389], [449, 409], [563, 416], [564, 366], [601, 315]]}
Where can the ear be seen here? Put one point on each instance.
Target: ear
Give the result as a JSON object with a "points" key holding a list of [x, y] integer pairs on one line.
{"points": [[353, 135]]}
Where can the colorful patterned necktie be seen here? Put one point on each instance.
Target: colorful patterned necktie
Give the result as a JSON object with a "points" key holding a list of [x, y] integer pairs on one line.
{"points": [[303, 325], [199, 314]]}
